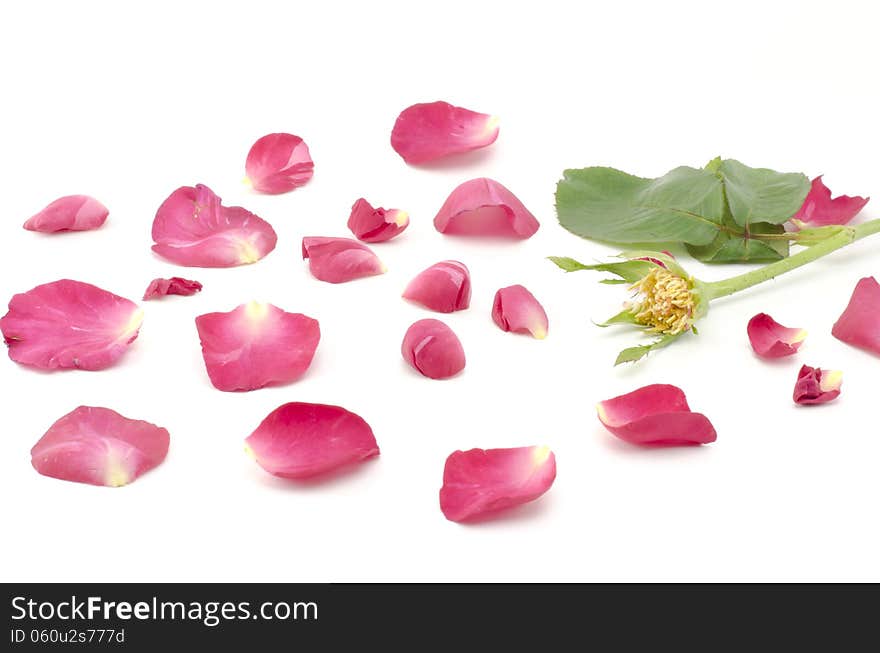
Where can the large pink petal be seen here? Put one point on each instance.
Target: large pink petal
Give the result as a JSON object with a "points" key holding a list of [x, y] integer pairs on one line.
{"points": [[816, 386], [256, 345], [819, 210], [483, 207], [376, 225], [69, 324], [299, 440], [433, 349], [337, 260], [516, 309], [278, 163], [428, 131], [859, 324], [655, 414], [70, 213], [192, 228], [770, 339], [173, 286], [444, 287], [99, 446], [480, 482]]}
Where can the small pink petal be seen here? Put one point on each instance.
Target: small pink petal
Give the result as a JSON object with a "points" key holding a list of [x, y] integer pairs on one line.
{"points": [[859, 324], [483, 207], [480, 482], [816, 386], [516, 309], [819, 210], [655, 414], [278, 163], [173, 286], [424, 132], [433, 349], [299, 440], [770, 339], [256, 345], [444, 287], [337, 260], [99, 446], [69, 324], [376, 225], [192, 228], [70, 213]]}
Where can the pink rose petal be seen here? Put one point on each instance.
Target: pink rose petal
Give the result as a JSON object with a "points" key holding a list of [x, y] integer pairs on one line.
{"points": [[192, 228], [299, 440], [481, 482], [444, 287], [859, 324], [337, 260], [516, 309], [70, 213], [278, 163], [483, 207], [256, 345], [655, 414], [433, 350], [69, 324], [819, 210], [99, 446], [173, 286], [816, 386], [770, 339], [376, 225], [424, 132]]}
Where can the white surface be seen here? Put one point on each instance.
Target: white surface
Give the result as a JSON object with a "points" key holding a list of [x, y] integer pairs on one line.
{"points": [[127, 106]]}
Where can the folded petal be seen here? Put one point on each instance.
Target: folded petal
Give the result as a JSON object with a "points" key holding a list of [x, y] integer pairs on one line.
{"points": [[859, 324], [444, 287], [69, 324], [192, 228], [433, 349], [480, 482], [99, 446], [173, 286], [819, 210], [428, 131], [516, 309], [278, 163], [772, 340], [299, 440], [256, 345], [817, 386], [483, 207], [376, 225], [655, 414], [70, 213], [337, 260]]}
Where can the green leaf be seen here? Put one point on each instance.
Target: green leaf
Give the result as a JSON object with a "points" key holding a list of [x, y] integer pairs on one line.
{"points": [[760, 194], [632, 354], [729, 248]]}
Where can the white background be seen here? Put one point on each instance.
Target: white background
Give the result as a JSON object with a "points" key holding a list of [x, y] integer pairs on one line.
{"points": [[127, 105]]}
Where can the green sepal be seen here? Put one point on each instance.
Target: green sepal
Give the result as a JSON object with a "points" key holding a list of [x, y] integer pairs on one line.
{"points": [[632, 354]]}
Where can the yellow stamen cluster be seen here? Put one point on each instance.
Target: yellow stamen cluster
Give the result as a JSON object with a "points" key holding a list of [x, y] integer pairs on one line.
{"points": [[667, 302]]}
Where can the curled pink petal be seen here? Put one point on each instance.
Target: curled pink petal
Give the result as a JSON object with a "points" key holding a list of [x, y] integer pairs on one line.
{"points": [[376, 225], [192, 228], [770, 339], [428, 131], [69, 324], [337, 260], [481, 482], [655, 414], [70, 213], [173, 286], [256, 345], [816, 386], [444, 287], [516, 309], [859, 324], [278, 163], [299, 440], [483, 207], [433, 349], [819, 210], [99, 446]]}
